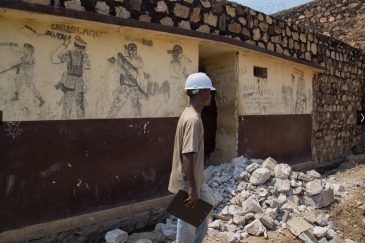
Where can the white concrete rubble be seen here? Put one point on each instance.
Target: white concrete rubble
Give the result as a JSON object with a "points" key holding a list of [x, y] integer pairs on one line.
{"points": [[116, 236]]}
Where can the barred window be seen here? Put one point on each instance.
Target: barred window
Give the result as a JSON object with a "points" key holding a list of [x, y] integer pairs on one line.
{"points": [[260, 72]]}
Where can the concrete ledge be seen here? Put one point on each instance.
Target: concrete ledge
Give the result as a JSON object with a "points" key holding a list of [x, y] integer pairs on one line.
{"points": [[44, 229], [304, 166]]}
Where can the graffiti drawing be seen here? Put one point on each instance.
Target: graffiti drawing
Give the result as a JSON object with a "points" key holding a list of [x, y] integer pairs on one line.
{"points": [[287, 98], [178, 73], [301, 103], [75, 80], [24, 70], [133, 81], [14, 129]]}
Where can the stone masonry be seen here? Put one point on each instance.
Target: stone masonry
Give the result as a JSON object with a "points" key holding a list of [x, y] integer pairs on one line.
{"points": [[337, 93], [341, 19]]}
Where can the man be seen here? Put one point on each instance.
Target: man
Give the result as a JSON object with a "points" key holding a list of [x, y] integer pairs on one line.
{"points": [[25, 70], [75, 80], [188, 158], [133, 81]]}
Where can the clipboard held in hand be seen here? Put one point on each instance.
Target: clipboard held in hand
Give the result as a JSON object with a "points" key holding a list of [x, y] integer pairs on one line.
{"points": [[193, 216]]}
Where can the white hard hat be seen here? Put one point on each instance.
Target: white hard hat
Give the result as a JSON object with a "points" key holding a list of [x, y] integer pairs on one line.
{"points": [[198, 81]]}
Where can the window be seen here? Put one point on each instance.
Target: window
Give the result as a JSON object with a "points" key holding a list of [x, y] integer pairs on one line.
{"points": [[260, 72]]}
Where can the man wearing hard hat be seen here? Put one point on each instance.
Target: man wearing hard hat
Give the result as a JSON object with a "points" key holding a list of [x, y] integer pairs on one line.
{"points": [[188, 157]]}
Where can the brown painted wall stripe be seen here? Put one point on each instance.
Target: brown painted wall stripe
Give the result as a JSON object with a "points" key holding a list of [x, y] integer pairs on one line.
{"points": [[285, 138], [59, 169]]}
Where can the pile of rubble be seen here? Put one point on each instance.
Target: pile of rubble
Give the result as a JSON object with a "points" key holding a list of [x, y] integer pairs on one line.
{"points": [[254, 196]]}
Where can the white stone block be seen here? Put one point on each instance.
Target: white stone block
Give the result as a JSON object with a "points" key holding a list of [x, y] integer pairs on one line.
{"points": [[116, 236]]}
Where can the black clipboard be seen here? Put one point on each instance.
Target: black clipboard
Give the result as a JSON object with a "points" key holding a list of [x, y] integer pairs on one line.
{"points": [[193, 216]]}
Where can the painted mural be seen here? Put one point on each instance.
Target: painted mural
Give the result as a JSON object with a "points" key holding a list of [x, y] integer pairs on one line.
{"points": [[75, 81], [286, 90], [58, 71]]}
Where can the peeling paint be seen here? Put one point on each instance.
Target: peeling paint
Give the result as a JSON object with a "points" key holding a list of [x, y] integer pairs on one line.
{"points": [[9, 184], [54, 168], [87, 186]]}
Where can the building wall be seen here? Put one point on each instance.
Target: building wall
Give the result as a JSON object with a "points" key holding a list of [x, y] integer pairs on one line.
{"points": [[274, 113], [286, 90], [57, 164], [336, 96]]}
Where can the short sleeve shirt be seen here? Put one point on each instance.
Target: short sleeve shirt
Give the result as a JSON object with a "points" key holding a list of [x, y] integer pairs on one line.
{"points": [[189, 138]]}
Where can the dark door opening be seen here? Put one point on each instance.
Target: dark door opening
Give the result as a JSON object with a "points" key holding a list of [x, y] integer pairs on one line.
{"points": [[209, 117]]}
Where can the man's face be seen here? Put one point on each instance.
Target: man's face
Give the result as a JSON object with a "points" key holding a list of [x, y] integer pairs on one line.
{"points": [[79, 48], [132, 52], [26, 51], [206, 96]]}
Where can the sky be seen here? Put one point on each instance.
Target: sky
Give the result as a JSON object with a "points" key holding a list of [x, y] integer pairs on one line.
{"points": [[270, 6]]}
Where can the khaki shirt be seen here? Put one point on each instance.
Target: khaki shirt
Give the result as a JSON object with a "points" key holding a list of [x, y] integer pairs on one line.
{"points": [[189, 137]]}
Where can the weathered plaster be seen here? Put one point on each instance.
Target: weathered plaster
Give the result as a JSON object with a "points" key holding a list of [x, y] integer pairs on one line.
{"points": [[286, 90], [161, 81], [223, 70]]}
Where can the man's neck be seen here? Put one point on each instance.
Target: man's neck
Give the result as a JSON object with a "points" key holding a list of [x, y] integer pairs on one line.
{"points": [[197, 105]]}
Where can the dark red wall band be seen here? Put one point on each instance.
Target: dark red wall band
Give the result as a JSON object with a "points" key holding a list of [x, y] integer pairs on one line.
{"points": [[285, 138], [58, 169]]}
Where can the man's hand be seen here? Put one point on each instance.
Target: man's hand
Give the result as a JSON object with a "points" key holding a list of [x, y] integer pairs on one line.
{"points": [[188, 161], [192, 198]]}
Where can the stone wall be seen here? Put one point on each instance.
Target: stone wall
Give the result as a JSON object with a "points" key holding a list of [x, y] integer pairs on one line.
{"points": [[337, 92], [345, 21], [341, 19]]}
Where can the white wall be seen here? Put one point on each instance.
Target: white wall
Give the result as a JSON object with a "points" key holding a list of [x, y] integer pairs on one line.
{"points": [[286, 90], [104, 97]]}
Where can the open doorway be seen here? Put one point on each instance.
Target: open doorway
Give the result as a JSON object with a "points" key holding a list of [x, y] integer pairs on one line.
{"points": [[209, 118]]}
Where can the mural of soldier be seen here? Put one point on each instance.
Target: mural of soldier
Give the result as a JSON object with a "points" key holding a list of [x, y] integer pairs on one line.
{"points": [[178, 73], [24, 70], [75, 80], [133, 81]]}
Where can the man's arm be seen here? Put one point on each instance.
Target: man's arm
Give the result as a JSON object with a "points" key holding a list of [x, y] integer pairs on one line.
{"points": [[188, 162], [57, 56]]}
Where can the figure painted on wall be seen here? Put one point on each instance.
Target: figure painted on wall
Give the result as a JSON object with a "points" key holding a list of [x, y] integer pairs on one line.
{"points": [[24, 70], [301, 103], [288, 96], [75, 80], [178, 72], [133, 81]]}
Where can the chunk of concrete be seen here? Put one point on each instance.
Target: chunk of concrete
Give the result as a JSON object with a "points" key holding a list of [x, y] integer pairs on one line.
{"points": [[307, 237], [260, 176], [298, 225], [282, 185], [319, 231], [251, 205], [313, 188], [116, 236], [269, 163], [282, 171], [304, 177], [255, 228]]}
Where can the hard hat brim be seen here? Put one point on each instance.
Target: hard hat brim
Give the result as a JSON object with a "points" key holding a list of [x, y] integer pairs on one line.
{"points": [[211, 88]]}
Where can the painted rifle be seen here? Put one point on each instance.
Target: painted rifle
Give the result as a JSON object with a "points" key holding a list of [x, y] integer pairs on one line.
{"points": [[128, 73], [15, 66]]}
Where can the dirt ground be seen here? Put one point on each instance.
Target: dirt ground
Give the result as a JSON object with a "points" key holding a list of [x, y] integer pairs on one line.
{"points": [[345, 213]]}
